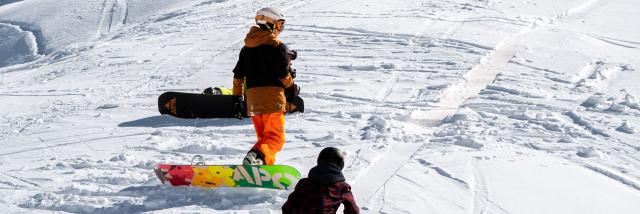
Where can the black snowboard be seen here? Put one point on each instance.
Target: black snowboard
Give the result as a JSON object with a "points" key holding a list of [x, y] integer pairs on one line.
{"points": [[192, 105]]}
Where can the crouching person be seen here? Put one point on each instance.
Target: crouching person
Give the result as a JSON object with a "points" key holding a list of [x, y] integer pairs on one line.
{"points": [[324, 189]]}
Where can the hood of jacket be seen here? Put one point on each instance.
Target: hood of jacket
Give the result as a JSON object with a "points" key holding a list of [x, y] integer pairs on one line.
{"points": [[326, 174], [258, 36]]}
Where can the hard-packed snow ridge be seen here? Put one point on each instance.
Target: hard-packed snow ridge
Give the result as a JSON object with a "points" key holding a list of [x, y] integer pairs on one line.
{"points": [[21, 43]]}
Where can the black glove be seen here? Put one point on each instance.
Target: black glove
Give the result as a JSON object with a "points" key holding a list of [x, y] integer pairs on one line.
{"points": [[293, 54], [208, 91], [292, 91], [212, 91], [292, 72], [238, 107]]}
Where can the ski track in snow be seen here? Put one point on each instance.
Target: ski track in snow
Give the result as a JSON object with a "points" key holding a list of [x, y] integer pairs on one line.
{"points": [[385, 162], [454, 96], [114, 16], [483, 74], [380, 171], [607, 73]]}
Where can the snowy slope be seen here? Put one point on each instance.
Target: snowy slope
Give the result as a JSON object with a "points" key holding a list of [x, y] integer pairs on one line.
{"points": [[442, 106]]}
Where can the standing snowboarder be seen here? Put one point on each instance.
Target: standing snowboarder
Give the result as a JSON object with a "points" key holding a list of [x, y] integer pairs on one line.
{"points": [[324, 189], [263, 70]]}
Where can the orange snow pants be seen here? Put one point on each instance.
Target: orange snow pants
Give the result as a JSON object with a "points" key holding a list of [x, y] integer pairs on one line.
{"points": [[270, 132]]}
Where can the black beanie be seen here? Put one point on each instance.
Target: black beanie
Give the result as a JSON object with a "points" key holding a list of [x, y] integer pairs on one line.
{"points": [[331, 155]]}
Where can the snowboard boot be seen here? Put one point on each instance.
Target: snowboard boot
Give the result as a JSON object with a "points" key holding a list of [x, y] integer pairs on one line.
{"points": [[253, 157]]}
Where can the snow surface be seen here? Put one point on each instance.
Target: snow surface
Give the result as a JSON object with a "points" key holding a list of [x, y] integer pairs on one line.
{"points": [[467, 106]]}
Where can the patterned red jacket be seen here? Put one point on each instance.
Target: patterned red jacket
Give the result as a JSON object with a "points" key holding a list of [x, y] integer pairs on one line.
{"points": [[322, 192]]}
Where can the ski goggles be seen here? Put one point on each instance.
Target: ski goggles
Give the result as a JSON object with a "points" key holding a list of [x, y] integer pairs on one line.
{"points": [[280, 24]]}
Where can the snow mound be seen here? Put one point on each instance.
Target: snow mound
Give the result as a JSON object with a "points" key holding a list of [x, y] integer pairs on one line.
{"points": [[552, 127], [631, 101], [464, 114], [599, 73], [120, 157], [341, 114], [447, 132], [595, 101], [611, 104], [467, 142], [579, 120], [618, 108], [588, 152], [108, 106], [377, 128], [388, 66], [566, 139], [523, 114], [626, 128], [16, 46]]}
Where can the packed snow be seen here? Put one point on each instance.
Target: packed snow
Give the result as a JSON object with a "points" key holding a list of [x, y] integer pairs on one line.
{"points": [[467, 106]]}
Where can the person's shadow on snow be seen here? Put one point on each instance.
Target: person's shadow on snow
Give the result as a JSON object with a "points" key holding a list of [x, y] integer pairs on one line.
{"points": [[168, 121]]}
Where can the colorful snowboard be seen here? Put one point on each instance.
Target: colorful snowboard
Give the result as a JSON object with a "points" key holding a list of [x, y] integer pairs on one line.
{"points": [[272, 177], [192, 105]]}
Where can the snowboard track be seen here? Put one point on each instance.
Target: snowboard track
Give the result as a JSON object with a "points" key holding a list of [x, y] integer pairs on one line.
{"points": [[473, 83]]}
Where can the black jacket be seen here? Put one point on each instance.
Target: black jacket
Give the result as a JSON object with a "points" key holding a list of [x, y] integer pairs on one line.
{"points": [[322, 192], [263, 66]]}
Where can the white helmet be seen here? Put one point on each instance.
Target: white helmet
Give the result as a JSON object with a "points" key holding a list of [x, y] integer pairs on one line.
{"points": [[271, 18]]}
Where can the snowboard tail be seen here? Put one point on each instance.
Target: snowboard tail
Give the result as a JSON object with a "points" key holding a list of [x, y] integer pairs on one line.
{"points": [[263, 176]]}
